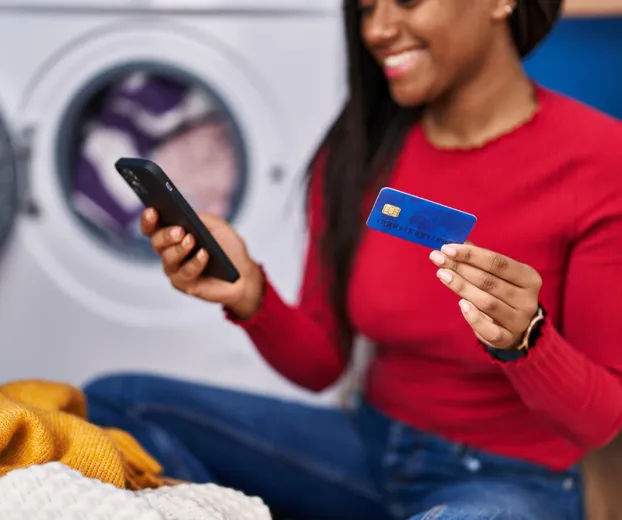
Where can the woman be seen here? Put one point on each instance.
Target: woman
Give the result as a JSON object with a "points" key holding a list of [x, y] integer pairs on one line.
{"points": [[491, 379]]}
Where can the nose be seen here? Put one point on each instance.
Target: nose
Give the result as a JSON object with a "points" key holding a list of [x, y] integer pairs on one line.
{"points": [[381, 27]]}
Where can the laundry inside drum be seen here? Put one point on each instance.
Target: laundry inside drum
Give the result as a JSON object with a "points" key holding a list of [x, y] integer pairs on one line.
{"points": [[178, 122]]}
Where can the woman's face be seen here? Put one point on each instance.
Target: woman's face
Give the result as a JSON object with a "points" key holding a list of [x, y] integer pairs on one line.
{"points": [[428, 48]]}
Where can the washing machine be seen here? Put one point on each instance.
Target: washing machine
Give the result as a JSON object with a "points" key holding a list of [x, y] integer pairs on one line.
{"points": [[233, 94]]}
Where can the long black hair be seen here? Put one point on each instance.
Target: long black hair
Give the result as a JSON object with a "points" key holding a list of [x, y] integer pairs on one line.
{"points": [[364, 141]]}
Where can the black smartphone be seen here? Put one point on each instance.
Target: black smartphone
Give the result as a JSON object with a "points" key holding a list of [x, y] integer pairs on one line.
{"points": [[156, 190]]}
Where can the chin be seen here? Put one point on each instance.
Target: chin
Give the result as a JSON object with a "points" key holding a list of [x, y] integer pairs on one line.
{"points": [[409, 95]]}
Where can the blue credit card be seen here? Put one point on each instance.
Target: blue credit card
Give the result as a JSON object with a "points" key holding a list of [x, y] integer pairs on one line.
{"points": [[419, 220]]}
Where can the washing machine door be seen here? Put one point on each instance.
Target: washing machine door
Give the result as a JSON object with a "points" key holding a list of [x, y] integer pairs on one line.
{"points": [[137, 68], [8, 185]]}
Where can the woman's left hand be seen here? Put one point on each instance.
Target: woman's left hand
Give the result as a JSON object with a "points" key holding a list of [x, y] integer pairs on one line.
{"points": [[499, 295]]}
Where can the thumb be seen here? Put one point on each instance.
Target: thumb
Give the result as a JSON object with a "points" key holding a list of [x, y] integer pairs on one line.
{"points": [[216, 290]]}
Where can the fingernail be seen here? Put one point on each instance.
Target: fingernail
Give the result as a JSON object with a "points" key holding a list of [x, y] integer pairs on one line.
{"points": [[464, 306], [202, 255], [177, 233], [151, 215], [449, 250], [187, 241], [437, 257], [444, 275]]}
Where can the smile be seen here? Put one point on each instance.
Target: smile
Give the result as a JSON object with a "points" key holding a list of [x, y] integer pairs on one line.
{"points": [[398, 64]]}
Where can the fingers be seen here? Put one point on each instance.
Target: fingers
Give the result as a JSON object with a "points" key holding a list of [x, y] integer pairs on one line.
{"points": [[149, 227], [486, 330], [499, 294], [188, 280], [182, 265], [166, 237], [493, 285], [185, 277], [163, 238], [496, 264], [173, 256], [498, 310], [148, 222]]}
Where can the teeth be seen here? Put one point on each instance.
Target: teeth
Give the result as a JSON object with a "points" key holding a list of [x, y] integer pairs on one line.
{"points": [[397, 60]]}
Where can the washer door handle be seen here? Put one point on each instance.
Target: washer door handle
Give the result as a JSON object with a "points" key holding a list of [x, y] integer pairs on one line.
{"points": [[23, 144]]}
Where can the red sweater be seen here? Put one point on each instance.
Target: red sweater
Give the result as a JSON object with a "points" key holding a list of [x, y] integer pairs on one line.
{"points": [[548, 194]]}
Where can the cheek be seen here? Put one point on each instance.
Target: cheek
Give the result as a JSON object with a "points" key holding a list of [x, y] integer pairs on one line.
{"points": [[432, 75], [461, 41], [452, 55], [461, 58]]}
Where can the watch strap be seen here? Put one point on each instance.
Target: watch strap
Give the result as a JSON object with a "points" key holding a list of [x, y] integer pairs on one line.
{"points": [[528, 341], [506, 355]]}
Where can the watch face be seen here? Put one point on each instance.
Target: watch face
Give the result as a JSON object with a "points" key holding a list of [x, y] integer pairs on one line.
{"points": [[8, 185]]}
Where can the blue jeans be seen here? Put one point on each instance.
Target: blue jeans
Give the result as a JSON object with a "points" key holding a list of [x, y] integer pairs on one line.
{"points": [[312, 463]]}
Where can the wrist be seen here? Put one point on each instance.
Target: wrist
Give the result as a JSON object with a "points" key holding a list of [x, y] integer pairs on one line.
{"points": [[252, 290], [524, 344]]}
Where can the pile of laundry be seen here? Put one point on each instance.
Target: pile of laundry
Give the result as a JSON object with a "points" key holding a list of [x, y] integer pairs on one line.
{"points": [[56, 465]]}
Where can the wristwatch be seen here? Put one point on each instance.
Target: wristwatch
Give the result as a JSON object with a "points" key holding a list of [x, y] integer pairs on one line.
{"points": [[528, 341]]}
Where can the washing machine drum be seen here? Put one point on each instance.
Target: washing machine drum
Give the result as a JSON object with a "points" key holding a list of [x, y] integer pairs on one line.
{"points": [[177, 123], [8, 185]]}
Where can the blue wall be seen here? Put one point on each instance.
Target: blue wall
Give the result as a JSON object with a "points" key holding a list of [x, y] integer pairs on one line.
{"points": [[583, 58]]}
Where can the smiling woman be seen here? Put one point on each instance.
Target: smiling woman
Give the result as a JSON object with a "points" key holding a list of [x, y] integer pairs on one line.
{"points": [[497, 364]]}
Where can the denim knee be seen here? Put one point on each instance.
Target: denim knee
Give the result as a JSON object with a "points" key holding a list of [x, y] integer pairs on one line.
{"points": [[122, 386]]}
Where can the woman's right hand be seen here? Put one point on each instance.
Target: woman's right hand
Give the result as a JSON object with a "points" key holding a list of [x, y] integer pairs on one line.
{"points": [[173, 244]]}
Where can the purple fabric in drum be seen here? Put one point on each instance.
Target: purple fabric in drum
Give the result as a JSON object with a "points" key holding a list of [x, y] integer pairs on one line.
{"points": [[133, 116], [157, 94]]}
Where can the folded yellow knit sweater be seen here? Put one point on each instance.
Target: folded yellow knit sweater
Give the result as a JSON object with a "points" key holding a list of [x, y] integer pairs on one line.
{"points": [[41, 422]]}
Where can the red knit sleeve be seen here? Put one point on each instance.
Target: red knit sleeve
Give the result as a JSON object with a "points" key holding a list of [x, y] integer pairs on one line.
{"points": [[302, 342], [573, 376]]}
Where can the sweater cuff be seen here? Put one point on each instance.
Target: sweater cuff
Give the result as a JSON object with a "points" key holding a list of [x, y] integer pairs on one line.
{"points": [[551, 370]]}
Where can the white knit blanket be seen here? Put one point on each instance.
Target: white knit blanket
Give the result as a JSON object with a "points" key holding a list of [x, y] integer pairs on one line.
{"points": [[55, 492]]}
